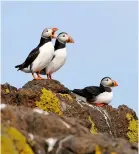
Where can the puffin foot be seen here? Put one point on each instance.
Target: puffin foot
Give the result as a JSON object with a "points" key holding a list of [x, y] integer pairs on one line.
{"points": [[39, 77], [33, 76], [49, 76], [100, 104]]}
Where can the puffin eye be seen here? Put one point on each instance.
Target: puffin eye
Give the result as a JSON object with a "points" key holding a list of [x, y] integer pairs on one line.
{"points": [[63, 35]]}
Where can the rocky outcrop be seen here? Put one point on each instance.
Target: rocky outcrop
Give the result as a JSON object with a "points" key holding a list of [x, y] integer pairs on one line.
{"points": [[67, 126], [37, 131]]}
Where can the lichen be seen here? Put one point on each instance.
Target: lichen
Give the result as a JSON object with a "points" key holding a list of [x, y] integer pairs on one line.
{"points": [[93, 129], [133, 128], [97, 150], [49, 102], [13, 142], [7, 91], [67, 96]]}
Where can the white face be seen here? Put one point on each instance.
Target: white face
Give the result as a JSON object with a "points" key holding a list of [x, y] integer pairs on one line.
{"points": [[107, 82], [63, 37], [47, 33]]}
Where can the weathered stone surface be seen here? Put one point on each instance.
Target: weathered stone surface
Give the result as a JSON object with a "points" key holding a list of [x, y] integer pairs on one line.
{"points": [[72, 122], [53, 85], [49, 133]]}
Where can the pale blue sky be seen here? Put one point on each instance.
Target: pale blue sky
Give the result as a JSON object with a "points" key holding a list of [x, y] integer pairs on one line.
{"points": [[105, 35]]}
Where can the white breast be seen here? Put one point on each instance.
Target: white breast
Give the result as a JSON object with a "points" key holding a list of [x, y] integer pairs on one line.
{"points": [[105, 97], [58, 61], [44, 57]]}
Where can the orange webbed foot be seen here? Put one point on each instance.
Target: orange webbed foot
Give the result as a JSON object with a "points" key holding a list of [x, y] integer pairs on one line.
{"points": [[39, 77], [100, 104]]}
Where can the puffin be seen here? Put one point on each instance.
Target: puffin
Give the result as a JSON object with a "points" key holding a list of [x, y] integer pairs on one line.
{"points": [[40, 56], [97, 95], [60, 55]]}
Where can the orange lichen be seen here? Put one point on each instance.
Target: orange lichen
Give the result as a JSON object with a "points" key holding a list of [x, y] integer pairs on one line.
{"points": [[13, 142], [7, 91], [133, 128], [93, 129], [49, 102], [97, 150]]}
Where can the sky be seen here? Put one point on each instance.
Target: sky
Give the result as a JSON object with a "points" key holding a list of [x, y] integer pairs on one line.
{"points": [[105, 35]]}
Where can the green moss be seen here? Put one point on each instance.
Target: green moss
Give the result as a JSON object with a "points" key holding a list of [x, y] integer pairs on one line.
{"points": [[7, 91], [93, 129], [133, 128], [67, 96], [49, 102], [13, 142]]}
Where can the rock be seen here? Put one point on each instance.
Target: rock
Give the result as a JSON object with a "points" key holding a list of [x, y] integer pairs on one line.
{"points": [[68, 119], [52, 85], [8, 94], [37, 131]]}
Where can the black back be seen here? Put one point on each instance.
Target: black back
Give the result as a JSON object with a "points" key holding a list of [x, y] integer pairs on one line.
{"points": [[92, 91], [33, 54]]}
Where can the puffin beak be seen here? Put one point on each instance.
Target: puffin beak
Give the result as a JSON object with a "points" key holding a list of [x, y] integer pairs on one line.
{"points": [[70, 40], [53, 32], [114, 83]]}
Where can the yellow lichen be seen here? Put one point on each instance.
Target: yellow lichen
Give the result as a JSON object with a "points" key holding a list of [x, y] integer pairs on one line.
{"points": [[7, 91], [93, 129], [49, 102], [133, 128], [67, 96], [13, 142], [97, 150]]}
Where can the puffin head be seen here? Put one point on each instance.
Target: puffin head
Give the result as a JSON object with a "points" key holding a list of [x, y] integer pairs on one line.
{"points": [[64, 38], [49, 33], [108, 82]]}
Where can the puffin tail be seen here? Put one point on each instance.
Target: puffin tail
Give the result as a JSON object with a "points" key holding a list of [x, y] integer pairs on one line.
{"points": [[78, 91], [19, 67]]}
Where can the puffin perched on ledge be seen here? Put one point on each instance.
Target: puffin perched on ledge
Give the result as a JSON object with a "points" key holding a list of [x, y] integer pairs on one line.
{"points": [[60, 55], [41, 56], [98, 95]]}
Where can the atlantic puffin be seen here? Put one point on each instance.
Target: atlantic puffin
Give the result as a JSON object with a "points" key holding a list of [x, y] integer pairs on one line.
{"points": [[99, 96], [60, 55], [41, 56]]}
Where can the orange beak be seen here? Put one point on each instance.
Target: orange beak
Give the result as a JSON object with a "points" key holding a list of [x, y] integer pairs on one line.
{"points": [[70, 40], [53, 32], [114, 84]]}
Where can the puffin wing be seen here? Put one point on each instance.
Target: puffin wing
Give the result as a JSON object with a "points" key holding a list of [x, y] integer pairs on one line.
{"points": [[79, 92], [93, 91], [88, 92], [31, 57]]}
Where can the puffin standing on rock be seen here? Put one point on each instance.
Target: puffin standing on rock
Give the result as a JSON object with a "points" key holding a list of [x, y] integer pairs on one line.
{"points": [[41, 56], [97, 95], [60, 55]]}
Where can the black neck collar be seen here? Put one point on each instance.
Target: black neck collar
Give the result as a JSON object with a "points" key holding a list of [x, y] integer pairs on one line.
{"points": [[107, 89], [59, 45], [44, 40]]}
